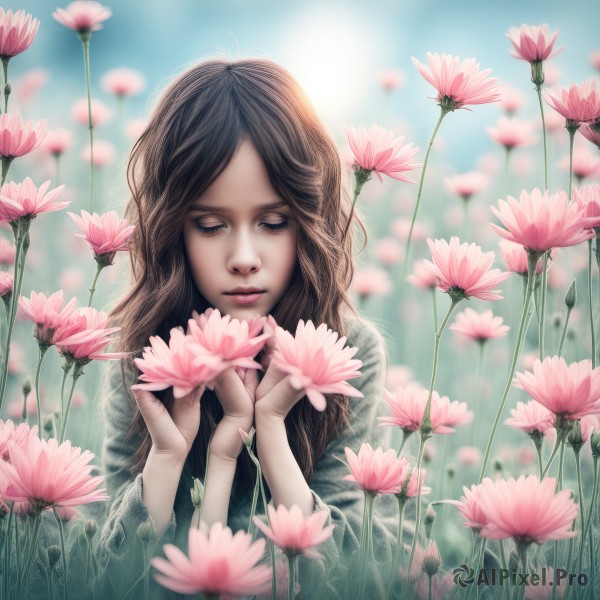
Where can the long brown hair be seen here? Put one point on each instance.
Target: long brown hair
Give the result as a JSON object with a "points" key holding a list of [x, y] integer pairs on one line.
{"points": [[191, 137]]}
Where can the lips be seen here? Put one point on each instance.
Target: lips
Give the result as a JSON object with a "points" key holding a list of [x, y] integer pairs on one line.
{"points": [[242, 291]]}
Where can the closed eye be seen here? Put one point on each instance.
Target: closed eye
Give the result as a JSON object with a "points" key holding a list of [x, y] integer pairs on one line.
{"points": [[277, 226], [208, 230]]}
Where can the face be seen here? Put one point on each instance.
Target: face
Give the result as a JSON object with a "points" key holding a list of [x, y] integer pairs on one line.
{"points": [[240, 239]]}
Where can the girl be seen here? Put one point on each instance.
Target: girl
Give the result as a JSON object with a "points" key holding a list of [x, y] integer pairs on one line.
{"points": [[238, 200]]}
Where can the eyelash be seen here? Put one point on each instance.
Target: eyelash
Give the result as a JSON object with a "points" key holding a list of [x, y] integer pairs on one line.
{"points": [[215, 228]]}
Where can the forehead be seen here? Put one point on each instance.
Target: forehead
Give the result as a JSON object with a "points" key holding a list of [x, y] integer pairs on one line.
{"points": [[243, 184]]}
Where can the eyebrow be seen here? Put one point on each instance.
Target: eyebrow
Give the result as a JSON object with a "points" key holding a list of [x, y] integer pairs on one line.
{"points": [[219, 209]]}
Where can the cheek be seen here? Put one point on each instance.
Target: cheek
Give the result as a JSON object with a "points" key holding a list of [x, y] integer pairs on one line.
{"points": [[198, 259]]}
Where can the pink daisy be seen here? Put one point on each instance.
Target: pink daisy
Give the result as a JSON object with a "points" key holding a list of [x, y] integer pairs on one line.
{"points": [[123, 82], [531, 417], [371, 281], [423, 277], [512, 132], [471, 506], [408, 405], [585, 163], [316, 362], [105, 153], [294, 533], [458, 83], [17, 32], [46, 474], [183, 364], [581, 104], [515, 258], [571, 391], [540, 222], [83, 15], [466, 184], [464, 269], [376, 471], [233, 341], [533, 43], [377, 150], [17, 139], [220, 563], [101, 113], [512, 99], [47, 314], [57, 141], [19, 435], [527, 510], [106, 234], [26, 200], [588, 198], [479, 327]]}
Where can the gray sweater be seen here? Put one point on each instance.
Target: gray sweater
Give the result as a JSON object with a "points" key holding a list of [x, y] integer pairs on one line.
{"points": [[120, 548]]}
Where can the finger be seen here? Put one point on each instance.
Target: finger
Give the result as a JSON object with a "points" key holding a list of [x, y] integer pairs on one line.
{"points": [[251, 382], [272, 377], [152, 409], [231, 392], [184, 407]]}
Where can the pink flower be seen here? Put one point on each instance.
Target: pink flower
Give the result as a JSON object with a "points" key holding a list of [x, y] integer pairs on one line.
{"points": [[294, 533], [464, 270], [123, 82], [540, 222], [469, 455], [376, 149], [26, 200], [47, 314], [591, 133], [388, 250], [512, 99], [515, 258], [83, 15], [233, 341], [533, 43], [471, 505], [219, 564], [458, 83], [29, 84], [106, 234], [101, 114], [391, 79], [467, 184], [531, 417], [17, 32], [512, 132], [588, 198], [58, 141], [571, 391], [19, 435], [479, 327], [581, 104], [412, 491], [376, 471], [17, 139], [527, 510], [408, 405], [423, 277], [6, 284], [104, 153], [85, 335], [371, 281], [585, 162], [316, 362], [46, 473], [183, 364]]}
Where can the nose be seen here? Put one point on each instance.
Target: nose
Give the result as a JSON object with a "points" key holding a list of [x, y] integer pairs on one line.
{"points": [[244, 257]]}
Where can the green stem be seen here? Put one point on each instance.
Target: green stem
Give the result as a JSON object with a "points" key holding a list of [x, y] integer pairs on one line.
{"points": [[418, 499], [86, 57], [87, 564], [477, 390], [6, 85], [572, 131], [32, 550], [539, 94], [581, 512], [6, 162], [398, 547], [405, 435], [588, 527], [361, 177], [532, 259], [62, 551], [57, 168], [429, 588], [443, 113], [538, 448], [66, 368], [552, 455], [93, 288], [505, 173], [564, 333], [291, 576], [435, 315], [5, 578], [77, 372], [561, 459], [42, 352], [366, 543], [589, 282], [542, 324], [254, 501]]}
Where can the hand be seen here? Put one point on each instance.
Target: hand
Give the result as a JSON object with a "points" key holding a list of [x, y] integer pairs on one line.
{"points": [[275, 396], [174, 433]]}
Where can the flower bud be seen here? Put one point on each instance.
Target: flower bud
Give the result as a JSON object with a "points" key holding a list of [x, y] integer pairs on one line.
{"points": [[595, 443], [575, 437], [26, 389], [451, 470], [556, 320], [90, 528], [53, 556], [497, 466], [431, 559], [428, 520], [197, 493], [147, 530], [247, 438], [571, 296], [537, 72]]}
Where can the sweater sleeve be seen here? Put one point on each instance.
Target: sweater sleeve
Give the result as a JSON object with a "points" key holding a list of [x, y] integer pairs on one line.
{"points": [[120, 553], [344, 500]]}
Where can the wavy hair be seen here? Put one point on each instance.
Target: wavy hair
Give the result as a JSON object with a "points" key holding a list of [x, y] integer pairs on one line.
{"points": [[192, 135]]}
